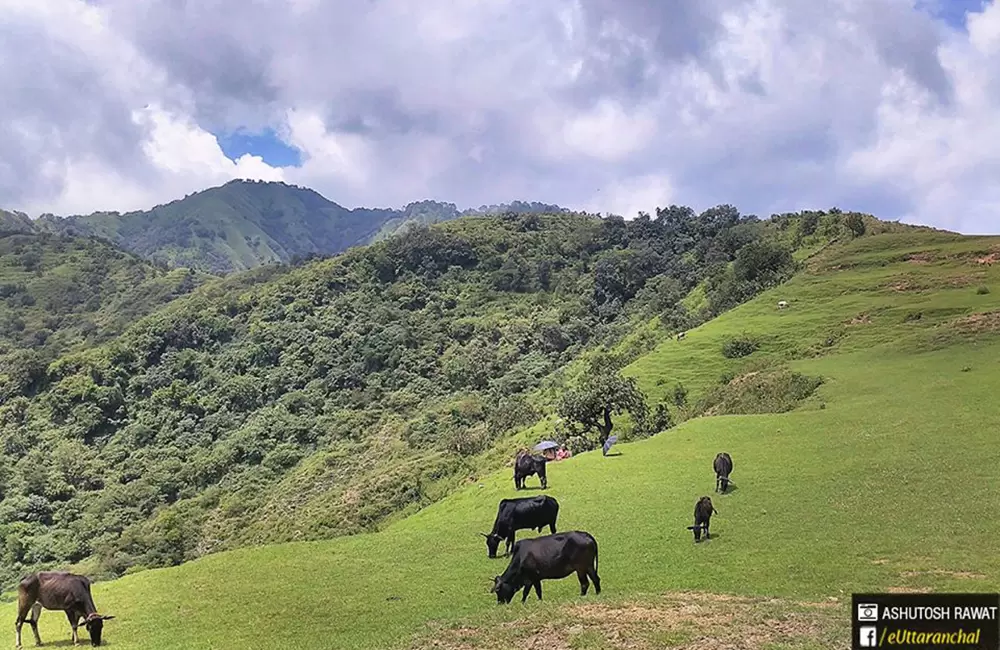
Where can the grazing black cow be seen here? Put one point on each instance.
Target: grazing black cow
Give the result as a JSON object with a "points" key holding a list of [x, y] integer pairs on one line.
{"points": [[517, 514], [702, 514], [61, 591], [525, 465], [550, 557], [723, 466]]}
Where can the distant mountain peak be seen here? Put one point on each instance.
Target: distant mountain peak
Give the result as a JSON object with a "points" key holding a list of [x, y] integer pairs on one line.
{"points": [[246, 223]]}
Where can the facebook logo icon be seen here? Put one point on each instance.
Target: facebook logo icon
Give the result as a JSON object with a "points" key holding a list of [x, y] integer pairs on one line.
{"points": [[867, 636]]}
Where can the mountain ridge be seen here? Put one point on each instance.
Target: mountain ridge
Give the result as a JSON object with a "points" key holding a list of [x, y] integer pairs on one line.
{"points": [[244, 224]]}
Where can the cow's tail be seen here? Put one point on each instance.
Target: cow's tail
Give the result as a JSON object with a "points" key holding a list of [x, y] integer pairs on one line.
{"points": [[596, 554]]}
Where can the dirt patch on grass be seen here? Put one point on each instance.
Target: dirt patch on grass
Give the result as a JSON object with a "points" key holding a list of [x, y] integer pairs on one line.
{"points": [[961, 281], [904, 286], [964, 575], [679, 620], [923, 257], [978, 323], [989, 259], [908, 590], [864, 318]]}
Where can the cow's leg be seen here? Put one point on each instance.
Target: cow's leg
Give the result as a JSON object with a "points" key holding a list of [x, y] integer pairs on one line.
{"points": [[596, 579], [708, 535], [545, 480], [36, 613], [538, 588], [527, 590], [510, 542], [552, 527], [584, 583], [22, 615], [74, 621]]}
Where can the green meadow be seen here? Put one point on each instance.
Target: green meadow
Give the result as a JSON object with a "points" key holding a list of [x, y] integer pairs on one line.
{"points": [[885, 478]]}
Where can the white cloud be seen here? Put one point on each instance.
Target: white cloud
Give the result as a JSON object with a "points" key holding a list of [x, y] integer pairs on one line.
{"points": [[767, 104], [627, 197], [181, 149], [945, 158], [607, 132]]}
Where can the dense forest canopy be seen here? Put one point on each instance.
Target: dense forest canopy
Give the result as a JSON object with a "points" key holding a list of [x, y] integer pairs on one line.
{"points": [[59, 294], [313, 400]]}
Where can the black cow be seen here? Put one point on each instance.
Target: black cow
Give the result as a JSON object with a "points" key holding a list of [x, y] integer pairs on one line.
{"points": [[702, 514], [723, 466], [517, 514], [61, 591], [525, 465], [550, 557]]}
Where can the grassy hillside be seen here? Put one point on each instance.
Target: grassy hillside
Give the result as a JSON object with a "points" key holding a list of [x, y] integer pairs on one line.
{"points": [[60, 294], [885, 478], [244, 224], [324, 400]]}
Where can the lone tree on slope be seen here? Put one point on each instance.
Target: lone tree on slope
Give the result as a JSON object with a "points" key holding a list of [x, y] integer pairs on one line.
{"points": [[602, 393], [856, 223]]}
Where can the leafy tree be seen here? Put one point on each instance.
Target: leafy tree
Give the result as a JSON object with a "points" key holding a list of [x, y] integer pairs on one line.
{"points": [[810, 221], [603, 392], [856, 223], [661, 419]]}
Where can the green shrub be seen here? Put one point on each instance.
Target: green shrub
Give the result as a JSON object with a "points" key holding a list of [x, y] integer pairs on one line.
{"points": [[680, 395], [580, 444], [739, 347], [766, 391]]}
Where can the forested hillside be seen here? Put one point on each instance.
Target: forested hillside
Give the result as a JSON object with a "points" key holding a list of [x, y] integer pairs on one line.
{"points": [[315, 401], [243, 224], [60, 293], [15, 222]]}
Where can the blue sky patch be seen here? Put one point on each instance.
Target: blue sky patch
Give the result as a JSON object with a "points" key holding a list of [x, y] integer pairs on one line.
{"points": [[265, 144], [950, 11]]}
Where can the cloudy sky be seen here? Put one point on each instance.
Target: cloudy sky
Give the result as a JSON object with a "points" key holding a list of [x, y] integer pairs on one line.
{"points": [[886, 106]]}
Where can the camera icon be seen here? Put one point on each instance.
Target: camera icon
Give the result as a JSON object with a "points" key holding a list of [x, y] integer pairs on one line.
{"points": [[868, 612]]}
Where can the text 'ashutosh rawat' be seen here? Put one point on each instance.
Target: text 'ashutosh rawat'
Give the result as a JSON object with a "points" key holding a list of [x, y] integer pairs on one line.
{"points": [[939, 613]]}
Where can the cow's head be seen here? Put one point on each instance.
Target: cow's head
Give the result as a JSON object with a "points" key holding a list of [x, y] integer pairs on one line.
{"points": [[492, 543], [95, 626], [504, 591]]}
